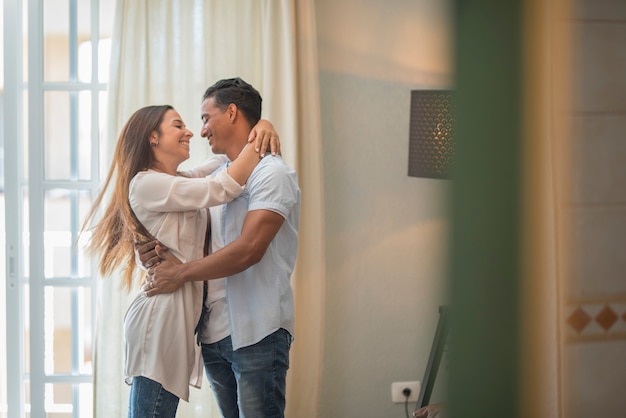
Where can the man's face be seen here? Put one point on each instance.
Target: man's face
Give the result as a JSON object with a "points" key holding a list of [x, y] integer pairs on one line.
{"points": [[215, 125]]}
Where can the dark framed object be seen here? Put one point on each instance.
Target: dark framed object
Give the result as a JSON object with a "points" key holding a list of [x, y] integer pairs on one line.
{"points": [[432, 133], [434, 359]]}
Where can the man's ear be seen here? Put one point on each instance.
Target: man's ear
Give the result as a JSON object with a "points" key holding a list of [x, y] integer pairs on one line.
{"points": [[233, 112]]}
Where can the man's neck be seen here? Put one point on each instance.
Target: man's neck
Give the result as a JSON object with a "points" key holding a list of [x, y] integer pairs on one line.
{"points": [[234, 151], [238, 141]]}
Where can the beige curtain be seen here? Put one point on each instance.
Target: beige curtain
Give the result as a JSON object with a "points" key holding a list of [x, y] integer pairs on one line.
{"points": [[170, 51], [544, 169]]}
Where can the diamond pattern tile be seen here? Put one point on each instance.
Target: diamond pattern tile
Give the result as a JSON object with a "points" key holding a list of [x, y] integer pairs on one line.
{"points": [[606, 317], [595, 320], [579, 319]]}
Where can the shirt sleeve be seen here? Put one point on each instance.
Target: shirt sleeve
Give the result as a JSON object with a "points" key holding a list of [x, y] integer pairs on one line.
{"points": [[162, 192], [273, 186], [209, 166]]}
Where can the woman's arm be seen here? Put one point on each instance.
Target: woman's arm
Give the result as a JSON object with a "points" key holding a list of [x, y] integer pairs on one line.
{"points": [[262, 134], [152, 191], [242, 167], [209, 166]]}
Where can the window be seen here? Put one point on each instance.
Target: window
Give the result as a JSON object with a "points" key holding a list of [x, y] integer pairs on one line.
{"points": [[53, 102]]}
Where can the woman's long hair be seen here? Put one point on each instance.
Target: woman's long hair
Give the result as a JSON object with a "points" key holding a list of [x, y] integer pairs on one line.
{"points": [[113, 238]]}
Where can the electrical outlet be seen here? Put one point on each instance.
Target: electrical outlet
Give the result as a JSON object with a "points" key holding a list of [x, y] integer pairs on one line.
{"points": [[397, 389]]}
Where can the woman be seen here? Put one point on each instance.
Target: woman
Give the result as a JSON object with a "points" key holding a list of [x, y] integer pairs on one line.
{"points": [[152, 200]]}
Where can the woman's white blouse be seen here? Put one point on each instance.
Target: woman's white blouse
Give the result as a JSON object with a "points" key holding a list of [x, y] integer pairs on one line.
{"points": [[159, 330]]}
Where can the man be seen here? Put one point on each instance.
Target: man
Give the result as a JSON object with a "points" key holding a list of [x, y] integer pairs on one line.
{"points": [[248, 331]]}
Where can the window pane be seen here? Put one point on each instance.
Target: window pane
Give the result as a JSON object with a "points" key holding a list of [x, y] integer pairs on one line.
{"points": [[58, 400], [104, 98], [107, 11], [57, 134], [85, 60], [84, 262], [25, 41], [104, 57], [83, 13], [84, 135], [68, 330], [84, 331], [106, 15], [57, 234], [27, 397], [25, 235], [61, 161], [2, 146], [24, 143], [58, 338], [56, 46], [26, 334], [1, 60], [85, 397], [60, 397]]}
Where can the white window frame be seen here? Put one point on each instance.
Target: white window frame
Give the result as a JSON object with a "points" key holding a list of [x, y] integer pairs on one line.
{"points": [[35, 186]]}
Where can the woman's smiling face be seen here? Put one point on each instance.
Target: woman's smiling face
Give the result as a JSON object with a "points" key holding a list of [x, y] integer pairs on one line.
{"points": [[173, 140]]}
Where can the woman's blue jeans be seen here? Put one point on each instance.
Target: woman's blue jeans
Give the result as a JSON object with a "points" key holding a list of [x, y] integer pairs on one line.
{"points": [[148, 399], [251, 381]]}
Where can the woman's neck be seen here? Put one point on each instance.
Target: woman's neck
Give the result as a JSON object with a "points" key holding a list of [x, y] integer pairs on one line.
{"points": [[164, 168]]}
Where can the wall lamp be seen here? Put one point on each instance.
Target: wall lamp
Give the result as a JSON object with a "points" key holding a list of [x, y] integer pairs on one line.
{"points": [[432, 134]]}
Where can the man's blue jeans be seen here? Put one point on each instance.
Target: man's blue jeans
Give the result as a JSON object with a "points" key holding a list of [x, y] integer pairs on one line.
{"points": [[249, 382], [148, 399]]}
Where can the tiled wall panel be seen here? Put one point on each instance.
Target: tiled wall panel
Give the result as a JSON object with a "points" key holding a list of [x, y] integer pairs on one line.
{"points": [[595, 298]]}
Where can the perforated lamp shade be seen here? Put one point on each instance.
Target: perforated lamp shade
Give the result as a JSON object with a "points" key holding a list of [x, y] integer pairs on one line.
{"points": [[432, 134]]}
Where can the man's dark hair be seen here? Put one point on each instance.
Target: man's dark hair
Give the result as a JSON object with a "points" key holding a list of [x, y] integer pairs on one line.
{"points": [[243, 95]]}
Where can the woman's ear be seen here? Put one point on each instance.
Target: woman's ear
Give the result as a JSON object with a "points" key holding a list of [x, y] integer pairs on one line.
{"points": [[154, 139]]}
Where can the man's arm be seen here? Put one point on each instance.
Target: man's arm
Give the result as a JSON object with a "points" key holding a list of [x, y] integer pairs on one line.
{"points": [[259, 229]]}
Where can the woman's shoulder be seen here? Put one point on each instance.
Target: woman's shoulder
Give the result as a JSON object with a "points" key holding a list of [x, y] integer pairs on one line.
{"points": [[147, 180]]}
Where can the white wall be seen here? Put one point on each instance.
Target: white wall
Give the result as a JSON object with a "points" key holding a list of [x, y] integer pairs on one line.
{"points": [[595, 371], [386, 232]]}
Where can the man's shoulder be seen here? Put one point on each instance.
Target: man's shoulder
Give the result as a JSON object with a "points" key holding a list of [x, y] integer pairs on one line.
{"points": [[273, 165], [272, 176], [273, 186]]}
